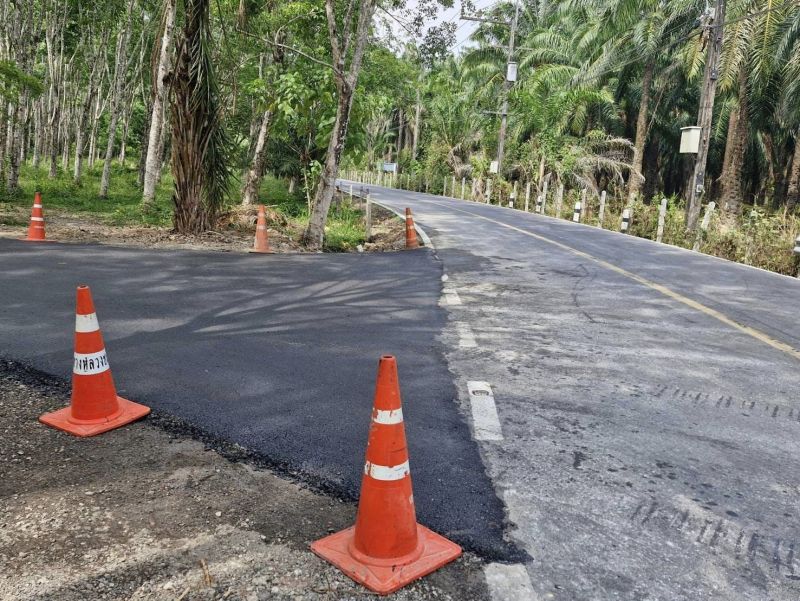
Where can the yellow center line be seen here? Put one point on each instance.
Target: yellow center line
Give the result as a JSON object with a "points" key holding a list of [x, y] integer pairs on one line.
{"points": [[757, 334]]}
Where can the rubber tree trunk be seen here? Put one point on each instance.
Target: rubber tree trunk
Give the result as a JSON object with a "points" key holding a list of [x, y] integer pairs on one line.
{"points": [[14, 148], [636, 180], [417, 117], [152, 166], [83, 118], [731, 194], [252, 180], [116, 96]]}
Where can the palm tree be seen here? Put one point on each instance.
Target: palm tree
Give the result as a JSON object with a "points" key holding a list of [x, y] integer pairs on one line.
{"points": [[639, 34], [200, 145]]}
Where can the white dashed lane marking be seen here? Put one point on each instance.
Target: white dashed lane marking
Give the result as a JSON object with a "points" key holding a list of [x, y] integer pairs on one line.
{"points": [[466, 339], [451, 296], [484, 411]]}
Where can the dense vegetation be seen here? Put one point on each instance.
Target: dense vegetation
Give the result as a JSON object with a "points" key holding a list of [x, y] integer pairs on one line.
{"points": [[220, 94]]}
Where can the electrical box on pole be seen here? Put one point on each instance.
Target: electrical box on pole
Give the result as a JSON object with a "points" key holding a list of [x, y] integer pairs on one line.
{"points": [[511, 72], [690, 139]]}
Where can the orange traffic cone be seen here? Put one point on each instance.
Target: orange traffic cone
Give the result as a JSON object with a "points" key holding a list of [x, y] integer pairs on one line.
{"points": [[95, 407], [386, 549], [261, 243], [36, 227], [411, 231]]}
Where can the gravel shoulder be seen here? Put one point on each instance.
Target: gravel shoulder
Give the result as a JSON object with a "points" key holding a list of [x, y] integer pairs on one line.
{"points": [[156, 511]]}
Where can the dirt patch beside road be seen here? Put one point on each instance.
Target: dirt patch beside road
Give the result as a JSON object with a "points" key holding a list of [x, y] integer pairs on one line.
{"points": [[235, 233], [148, 512]]}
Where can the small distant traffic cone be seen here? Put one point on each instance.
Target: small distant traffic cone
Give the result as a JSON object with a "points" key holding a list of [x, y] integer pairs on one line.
{"points": [[36, 227], [386, 549], [95, 407], [411, 231], [261, 243]]}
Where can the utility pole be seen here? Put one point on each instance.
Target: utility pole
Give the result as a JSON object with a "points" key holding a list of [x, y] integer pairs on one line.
{"points": [[509, 77], [705, 113]]}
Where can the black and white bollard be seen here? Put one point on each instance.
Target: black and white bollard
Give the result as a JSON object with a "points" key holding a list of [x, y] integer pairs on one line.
{"points": [[626, 221], [576, 215], [539, 204], [527, 197]]}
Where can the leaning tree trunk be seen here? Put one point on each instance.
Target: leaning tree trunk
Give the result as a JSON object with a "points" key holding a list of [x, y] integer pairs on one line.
{"points": [[346, 78], [636, 179], [256, 171], [315, 232], [732, 194], [152, 166]]}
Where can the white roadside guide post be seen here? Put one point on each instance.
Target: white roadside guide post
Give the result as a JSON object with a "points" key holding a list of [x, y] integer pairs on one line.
{"points": [[488, 191], [602, 209], [626, 221], [539, 204], [368, 219], [576, 215], [453, 186], [527, 196], [704, 225], [583, 205], [513, 200], [559, 200], [662, 216], [544, 195], [797, 252], [463, 183], [351, 195]]}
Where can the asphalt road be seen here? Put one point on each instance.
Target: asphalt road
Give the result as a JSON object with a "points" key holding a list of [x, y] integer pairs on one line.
{"points": [[275, 352], [648, 402]]}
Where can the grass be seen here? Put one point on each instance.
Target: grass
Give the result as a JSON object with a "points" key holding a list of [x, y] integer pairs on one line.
{"points": [[122, 207], [344, 231]]}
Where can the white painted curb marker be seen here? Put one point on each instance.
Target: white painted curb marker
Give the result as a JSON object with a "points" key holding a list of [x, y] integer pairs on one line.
{"points": [[484, 411]]}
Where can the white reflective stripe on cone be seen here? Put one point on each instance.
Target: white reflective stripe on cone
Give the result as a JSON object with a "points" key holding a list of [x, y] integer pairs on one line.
{"points": [[86, 323], [388, 418], [37, 218], [387, 473]]}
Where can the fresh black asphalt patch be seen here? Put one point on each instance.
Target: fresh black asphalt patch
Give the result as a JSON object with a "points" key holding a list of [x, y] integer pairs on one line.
{"points": [[275, 353]]}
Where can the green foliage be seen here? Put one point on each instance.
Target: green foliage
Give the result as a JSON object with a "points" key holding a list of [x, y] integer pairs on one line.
{"points": [[758, 239], [122, 207], [14, 80]]}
